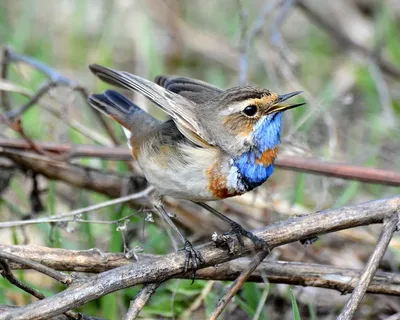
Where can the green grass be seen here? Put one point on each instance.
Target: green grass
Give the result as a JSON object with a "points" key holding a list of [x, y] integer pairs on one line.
{"points": [[295, 308]]}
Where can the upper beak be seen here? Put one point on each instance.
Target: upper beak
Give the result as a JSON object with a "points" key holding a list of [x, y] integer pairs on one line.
{"points": [[283, 97]]}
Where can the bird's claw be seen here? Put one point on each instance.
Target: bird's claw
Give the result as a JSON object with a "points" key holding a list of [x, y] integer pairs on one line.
{"points": [[239, 232], [194, 256]]}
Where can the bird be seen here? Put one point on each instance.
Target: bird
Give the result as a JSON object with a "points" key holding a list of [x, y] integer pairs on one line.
{"points": [[215, 145]]}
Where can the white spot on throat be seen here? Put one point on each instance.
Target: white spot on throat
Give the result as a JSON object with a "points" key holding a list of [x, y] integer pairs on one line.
{"points": [[128, 135], [233, 181]]}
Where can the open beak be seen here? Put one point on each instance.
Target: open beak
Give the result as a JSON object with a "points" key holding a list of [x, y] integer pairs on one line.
{"points": [[278, 106]]}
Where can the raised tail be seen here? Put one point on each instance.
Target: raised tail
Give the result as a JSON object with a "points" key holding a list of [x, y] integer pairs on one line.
{"points": [[132, 118], [116, 106]]}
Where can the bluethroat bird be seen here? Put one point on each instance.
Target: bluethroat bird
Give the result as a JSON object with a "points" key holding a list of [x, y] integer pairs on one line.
{"points": [[217, 144]]}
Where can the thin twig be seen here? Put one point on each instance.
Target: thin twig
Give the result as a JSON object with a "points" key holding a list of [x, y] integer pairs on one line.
{"points": [[7, 274], [77, 212], [108, 183], [261, 303], [248, 34], [56, 79], [57, 275], [45, 88], [198, 301], [310, 165], [171, 265], [4, 98], [388, 229], [40, 66], [383, 91], [276, 38], [344, 38], [243, 45], [238, 283], [141, 299]]}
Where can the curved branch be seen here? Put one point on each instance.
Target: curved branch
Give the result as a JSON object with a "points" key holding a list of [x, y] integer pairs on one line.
{"points": [[294, 273], [172, 265]]}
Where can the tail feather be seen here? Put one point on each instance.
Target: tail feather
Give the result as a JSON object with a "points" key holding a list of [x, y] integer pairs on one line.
{"points": [[116, 106], [135, 121]]}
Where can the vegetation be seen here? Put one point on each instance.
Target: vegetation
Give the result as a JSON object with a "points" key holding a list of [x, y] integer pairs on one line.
{"points": [[352, 116]]}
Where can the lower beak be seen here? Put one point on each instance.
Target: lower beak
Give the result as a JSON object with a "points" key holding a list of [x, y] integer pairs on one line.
{"points": [[283, 107]]}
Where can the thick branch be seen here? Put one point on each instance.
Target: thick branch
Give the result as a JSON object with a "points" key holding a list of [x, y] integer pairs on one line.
{"points": [[171, 265], [62, 278], [303, 274]]}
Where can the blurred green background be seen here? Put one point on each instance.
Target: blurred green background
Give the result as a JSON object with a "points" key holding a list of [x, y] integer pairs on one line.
{"points": [[352, 116]]}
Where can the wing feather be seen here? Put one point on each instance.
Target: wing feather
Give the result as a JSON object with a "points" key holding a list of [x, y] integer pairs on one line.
{"points": [[195, 90], [177, 106]]}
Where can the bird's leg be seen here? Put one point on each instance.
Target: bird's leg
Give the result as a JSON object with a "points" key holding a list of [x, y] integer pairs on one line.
{"points": [[191, 253], [236, 228]]}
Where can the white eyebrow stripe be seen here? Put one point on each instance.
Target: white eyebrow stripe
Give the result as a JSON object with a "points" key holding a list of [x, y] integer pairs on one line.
{"points": [[236, 107]]}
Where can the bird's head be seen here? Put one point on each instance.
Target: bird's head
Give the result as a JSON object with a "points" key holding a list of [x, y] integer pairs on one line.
{"points": [[248, 118]]}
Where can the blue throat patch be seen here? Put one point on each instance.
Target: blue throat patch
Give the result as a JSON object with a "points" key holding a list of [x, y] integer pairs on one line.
{"points": [[266, 135]]}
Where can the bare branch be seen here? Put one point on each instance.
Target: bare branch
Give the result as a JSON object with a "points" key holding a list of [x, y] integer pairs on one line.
{"points": [[344, 38], [56, 79], [247, 35], [77, 212], [295, 273], [4, 98], [238, 283], [60, 277], [310, 165], [276, 38], [106, 183], [7, 274], [45, 88], [338, 170], [172, 265], [388, 229], [140, 300]]}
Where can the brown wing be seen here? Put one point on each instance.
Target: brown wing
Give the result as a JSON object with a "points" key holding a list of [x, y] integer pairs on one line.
{"points": [[181, 109], [195, 90]]}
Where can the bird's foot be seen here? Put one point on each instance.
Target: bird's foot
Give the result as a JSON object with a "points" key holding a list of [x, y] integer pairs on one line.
{"points": [[238, 232], [194, 256]]}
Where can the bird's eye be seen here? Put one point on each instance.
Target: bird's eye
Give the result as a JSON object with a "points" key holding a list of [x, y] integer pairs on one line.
{"points": [[250, 110]]}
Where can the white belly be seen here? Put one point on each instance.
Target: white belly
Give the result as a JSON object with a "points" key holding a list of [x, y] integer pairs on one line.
{"points": [[179, 171]]}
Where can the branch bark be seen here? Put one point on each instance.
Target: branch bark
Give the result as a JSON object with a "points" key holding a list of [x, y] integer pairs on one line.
{"points": [[302, 274], [140, 300], [171, 265]]}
